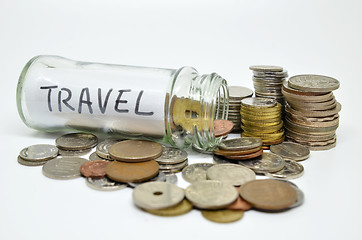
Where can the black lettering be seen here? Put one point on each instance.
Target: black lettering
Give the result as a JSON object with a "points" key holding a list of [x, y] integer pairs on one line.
{"points": [[104, 106], [49, 95], [66, 100], [118, 101], [87, 101], [138, 106]]}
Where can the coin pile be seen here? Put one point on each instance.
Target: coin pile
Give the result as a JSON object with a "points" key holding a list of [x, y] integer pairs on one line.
{"points": [[236, 94], [240, 148], [37, 155], [268, 82], [76, 144], [261, 117], [311, 111], [172, 159]]}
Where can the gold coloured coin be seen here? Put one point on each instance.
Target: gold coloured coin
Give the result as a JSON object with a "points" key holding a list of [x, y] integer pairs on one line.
{"points": [[135, 150], [222, 216], [182, 208]]}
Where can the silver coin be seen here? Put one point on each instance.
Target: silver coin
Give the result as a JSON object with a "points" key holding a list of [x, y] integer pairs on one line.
{"points": [[196, 172], [171, 156], [73, 153], [171, 177], [258, 102], [290, 151], [94, 157], [239, 92], [313, 83], [161, 177], [270, 74], [102, 149], [220, 160], [291, 170], [30, 163], [76, 141], [104, 184], [211, 194], [63, 168], [157, 195], [229, 173], [300, 199], [173, 167], [243, 143], [267, 162], [266, 68], [39, 152]]}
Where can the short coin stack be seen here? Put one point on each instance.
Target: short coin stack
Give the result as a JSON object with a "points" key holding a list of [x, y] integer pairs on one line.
{"points": [[172, 159], [268, 82], [261, 117], [236, 94], [311, 111], [240, 148]]}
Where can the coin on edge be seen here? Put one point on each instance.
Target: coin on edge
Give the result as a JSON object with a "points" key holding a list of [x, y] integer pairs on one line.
{"points": [[135, 150], [63, 168]]}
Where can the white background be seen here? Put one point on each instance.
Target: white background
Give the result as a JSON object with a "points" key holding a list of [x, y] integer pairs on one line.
{"points": [[322, 37]]}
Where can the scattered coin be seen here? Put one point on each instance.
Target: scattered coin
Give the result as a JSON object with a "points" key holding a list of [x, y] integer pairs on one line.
{"points": [[63, 168], [300, 199], [104, 184], [232, 174], [102, 149], [94, 168], [268, 194], [222, 216], [196, 172], [74, 153], [240, 203], [182, 208], [94, 157], [245, 156], [30, 163], [76, 141], [39, 152], [173, 167], [221, 152], [268, 162], [222, 127], [170, 177], [157, 195], [160, 177], [172, 155], [135, 150], [211, 194], [291, 170], [291, 151], [244, 143]]}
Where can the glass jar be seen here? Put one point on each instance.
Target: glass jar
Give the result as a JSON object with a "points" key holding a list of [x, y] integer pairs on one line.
{"points": [[175, 106]]}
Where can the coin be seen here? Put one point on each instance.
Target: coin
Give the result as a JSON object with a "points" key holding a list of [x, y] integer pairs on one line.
{"points": [[160, 177], [300, 198], [182, 208], [76, 141], [211, 194], [196, 172], [73, 153], [244, 143], [173, 167], [266, 68], [30, 163], [235, 153], [240, 203], [104, 184], [290, 151], [94, 157], [233, 174], [323, 148], [267, 162], [245, 156], [132, 172], [239, 92], [135, 150], [171, 155], [102, 149], [222, 216], [222, 127], [39, 152], [258, 102], [94, 169], [63, 168], [291, 170], [269, 194], [170, 177], [220, 160], [157, 195], [313, 83], [270, 74]]}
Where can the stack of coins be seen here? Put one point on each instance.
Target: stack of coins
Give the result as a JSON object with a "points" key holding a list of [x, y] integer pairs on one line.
{"points": [[236, 94], [172, 159], [37, 155], [240, 148], [261, 117], [311, 111], [268, 82], [76, 144]]}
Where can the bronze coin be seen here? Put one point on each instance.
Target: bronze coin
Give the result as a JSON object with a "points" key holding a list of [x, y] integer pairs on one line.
{"points": [[235, 152], [95, 168], [269, 194], [239, 204], [135, 150], [222, 127], [246, 156], [132, 172]]}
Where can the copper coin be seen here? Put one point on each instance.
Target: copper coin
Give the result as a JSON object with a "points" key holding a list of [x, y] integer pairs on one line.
{"points": [[246, 156], [269, 194], [95, 168], [235, 152], [239, 204], [222, 127], [132, 172], [135, 150]]}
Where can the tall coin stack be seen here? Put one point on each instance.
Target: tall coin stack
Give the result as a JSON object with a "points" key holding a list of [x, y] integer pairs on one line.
{"points": [[268, 82], [261, 117], [311, 111], [236, 94]]}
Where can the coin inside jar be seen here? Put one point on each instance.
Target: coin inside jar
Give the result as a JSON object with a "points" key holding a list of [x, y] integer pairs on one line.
{"points": [[135, 150]]}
